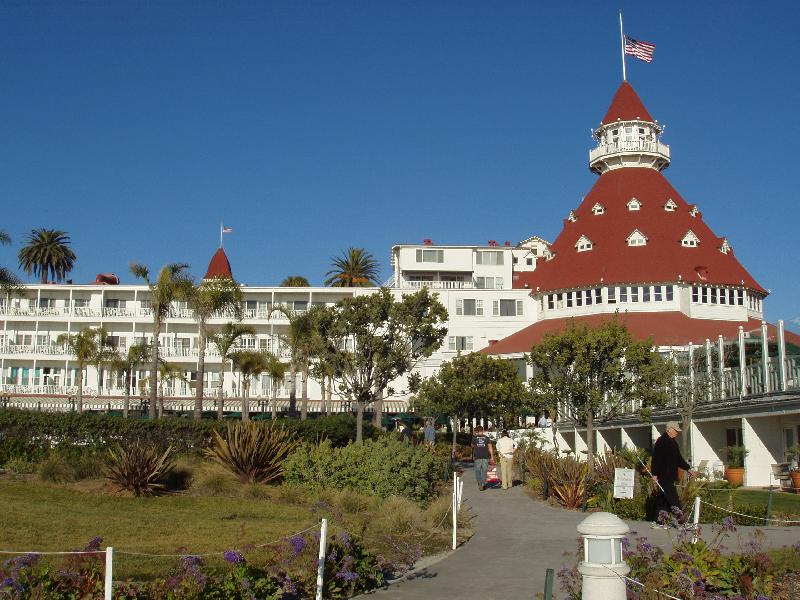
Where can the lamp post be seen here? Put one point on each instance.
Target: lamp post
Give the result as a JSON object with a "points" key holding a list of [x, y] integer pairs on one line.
{"points": [[603, 569]]}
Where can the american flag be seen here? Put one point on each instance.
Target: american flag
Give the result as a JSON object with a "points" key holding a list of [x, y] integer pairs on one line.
{"points": [[227, 230], [641, 50]]}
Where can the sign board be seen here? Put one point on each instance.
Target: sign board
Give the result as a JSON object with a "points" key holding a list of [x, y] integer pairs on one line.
{"points": [[623, 483]]}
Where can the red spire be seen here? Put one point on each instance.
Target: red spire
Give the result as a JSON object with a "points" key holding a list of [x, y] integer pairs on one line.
{"points": [[626, 106], [219, 267]]}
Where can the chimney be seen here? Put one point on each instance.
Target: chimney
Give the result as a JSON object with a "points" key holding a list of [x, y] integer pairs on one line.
{"points": [[493, 243], [427, 242], [507, 244]]}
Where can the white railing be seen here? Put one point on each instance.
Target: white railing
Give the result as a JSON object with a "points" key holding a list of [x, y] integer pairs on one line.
{"points": [[118, 312], [31, 349], [636, 146], [439, 285]]}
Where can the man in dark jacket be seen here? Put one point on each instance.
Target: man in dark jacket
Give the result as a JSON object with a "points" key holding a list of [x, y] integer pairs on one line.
{"points": [[666, 460]]}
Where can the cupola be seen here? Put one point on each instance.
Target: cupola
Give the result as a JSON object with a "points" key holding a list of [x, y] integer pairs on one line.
{"points": [[219, 266]]}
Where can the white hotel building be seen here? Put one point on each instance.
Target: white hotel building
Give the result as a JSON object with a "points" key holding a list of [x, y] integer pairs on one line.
{"points": [[634, 246]]}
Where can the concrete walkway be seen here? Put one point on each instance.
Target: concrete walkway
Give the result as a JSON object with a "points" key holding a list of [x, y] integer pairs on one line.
{"points": [[516, 539]]}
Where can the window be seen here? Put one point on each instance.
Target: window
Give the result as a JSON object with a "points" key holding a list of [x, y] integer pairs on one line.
{"points": [[529, 261], [457, 343], [670, 206], [723, 296], [300, 305], [704, 295], [637, 238], [469, 307], [560, 300], [588, 297], [570, 296], [551, 301], [646, 293], [514, 260], [714, 295], [47, 302], [740, 297], [598, 296], [507, 308], [635, 294], [669, 293], [489, 283], [733, 436], [641, 130], [612, 295], [598, 209], [623, 294], [583, 244], [115, 303], [489, 257], [634, 204], [695, 294], [690, 240], [80, 302], [657, 295], [430, 256], [579, 298]]}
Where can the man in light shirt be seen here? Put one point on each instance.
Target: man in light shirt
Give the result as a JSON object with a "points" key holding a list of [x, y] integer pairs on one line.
{"points": [[505, 448]]}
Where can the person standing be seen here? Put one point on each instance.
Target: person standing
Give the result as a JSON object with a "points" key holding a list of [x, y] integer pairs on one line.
{"points": [[667, 459], [430, 434], [403, 432], [482, 452], [505, 448]]}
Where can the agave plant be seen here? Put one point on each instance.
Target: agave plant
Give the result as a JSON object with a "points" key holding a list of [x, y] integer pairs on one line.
{"points": [[568, 481], [253, 452], [138, 468]]}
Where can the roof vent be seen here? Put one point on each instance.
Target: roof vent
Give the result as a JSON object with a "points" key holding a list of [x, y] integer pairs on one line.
{"points": [[493, 243], [507, 243], [107, 279], [427, 242]]}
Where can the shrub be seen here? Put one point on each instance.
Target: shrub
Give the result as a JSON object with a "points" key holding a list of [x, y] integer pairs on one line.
{"points": [[215, 482], [253, 452], [350, 501], [383, 468], [399, 515], [56, 469], [292, 494], [138, 468], [567, 481], [21, 465], [339, 429]]}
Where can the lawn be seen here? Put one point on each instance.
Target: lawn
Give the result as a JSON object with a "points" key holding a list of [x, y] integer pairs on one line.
{"points": [[38, 516], [781, 501]]}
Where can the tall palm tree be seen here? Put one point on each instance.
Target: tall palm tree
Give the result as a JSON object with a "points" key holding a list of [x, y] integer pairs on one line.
{"points": [[299, 340], [225, 341], [172, 283], [212, 295], [250, 363], [355, 268], [86, 345], [276, 371], [126, 363], [47, 255], [295, 281], [8, 281]]}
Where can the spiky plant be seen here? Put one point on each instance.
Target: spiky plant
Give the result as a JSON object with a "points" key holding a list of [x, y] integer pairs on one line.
{"points": [[138, 468], [568, 481], [253, 452]]}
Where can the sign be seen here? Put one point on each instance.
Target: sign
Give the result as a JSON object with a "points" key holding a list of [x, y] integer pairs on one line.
{"points": [[623, 483]]}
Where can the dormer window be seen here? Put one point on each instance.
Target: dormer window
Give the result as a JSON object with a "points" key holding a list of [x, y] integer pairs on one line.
{"points": [[690, 240], [726, 247], [670, 206], [694, 211], [637, 238], [583, 244], [634, 204], [572, 216], [598, 209]]}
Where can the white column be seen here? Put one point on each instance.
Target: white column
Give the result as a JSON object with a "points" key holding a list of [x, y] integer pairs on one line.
{"points": [[721, 366], [765, 356], [691, 372], [782, 355], [743, 383], [708, 369]]}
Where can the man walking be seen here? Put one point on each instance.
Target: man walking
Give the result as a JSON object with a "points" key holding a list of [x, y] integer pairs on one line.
{"points": [[430, 435], [505, 448], [482, 451], [666, 460]]}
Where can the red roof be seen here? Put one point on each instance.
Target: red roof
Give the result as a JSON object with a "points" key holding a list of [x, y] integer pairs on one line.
{"points": [[219, 266], [626, 106], [672, 328], [612, 261]]}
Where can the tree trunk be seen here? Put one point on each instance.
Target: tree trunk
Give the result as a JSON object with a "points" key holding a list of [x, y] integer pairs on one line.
{"points": [[44, 273], [246, 399], [304, 392], [126, 403], [80, 388], [377, 415], [221, 408], [323, 399], [151, 409], [292, 389], [359, 421], [160, 399], [274, 399], [590, 441], [201, 372], [455, 433], [329, 401]]}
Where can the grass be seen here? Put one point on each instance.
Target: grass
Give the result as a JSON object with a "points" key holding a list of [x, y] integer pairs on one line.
{"points": [[781, 502], [47, 517]]}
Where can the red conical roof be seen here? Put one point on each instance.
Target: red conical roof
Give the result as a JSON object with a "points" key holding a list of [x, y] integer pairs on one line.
{"points": [[626, 106], [662, 259], [219, 266]]}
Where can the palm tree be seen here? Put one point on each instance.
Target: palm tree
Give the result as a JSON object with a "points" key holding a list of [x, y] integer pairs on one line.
{"points": [[295, 281], [299, 340], [276, 371], [167, 373], [126, 363], [225, 341], [250, 363], [171, 284], [8, 281], [47, 254], [355, 268], [86, 345], [212, 295]]}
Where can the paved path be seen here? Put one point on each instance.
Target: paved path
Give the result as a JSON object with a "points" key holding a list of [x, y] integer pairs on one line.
{"points": [[516, 539]]}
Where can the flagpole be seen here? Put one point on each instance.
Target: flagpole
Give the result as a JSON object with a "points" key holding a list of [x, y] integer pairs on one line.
{"points": [[622, 47], [220, 234]]}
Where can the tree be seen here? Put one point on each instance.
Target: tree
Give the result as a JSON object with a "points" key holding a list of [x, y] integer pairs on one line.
{"points": [[126, 363], [226, 340], [597, 374], [250, 363], [300, 341], [371, 340], [86, 346], [211, 296], [355, 268], [276, 371], [295, 281], [167, 373], [471, 385], [47, 255], [9, 282], [171, 284]]}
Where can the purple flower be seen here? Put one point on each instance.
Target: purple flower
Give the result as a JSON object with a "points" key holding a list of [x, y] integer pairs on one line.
{"points": [[345, 539], [298, 543], [233, 557], [190, 562], [728, 525], [347, 575], [94, 544]]}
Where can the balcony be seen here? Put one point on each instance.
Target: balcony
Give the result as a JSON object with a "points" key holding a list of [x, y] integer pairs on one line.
{"points": [[47, 350], [438, 285], [632, 153]]}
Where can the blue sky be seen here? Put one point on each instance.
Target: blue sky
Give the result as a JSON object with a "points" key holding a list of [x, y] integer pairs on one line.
{"points": [[309, 127]]}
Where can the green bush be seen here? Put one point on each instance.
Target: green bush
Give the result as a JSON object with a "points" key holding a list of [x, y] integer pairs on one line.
{"points": [[56, 469], [253, 452], [383, 468], [21, 465]]}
